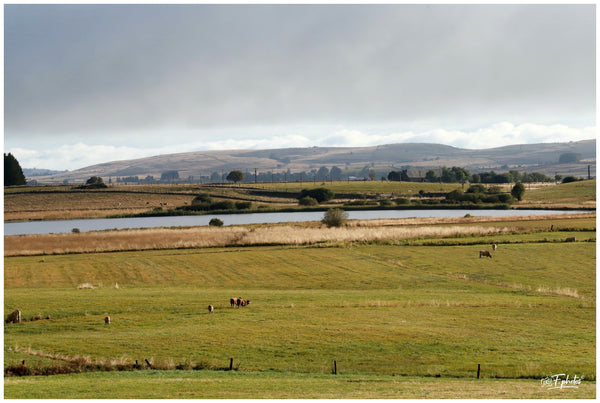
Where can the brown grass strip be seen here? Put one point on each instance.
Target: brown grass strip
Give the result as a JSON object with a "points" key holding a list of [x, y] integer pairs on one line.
{"points": [[201, 237], [273, 234]]}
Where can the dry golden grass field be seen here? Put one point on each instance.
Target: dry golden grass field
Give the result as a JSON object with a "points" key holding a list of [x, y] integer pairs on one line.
{"points": [[276, 234]]}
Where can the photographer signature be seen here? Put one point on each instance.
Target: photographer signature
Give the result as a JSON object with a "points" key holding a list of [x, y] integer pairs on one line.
{"points": [[561, 381]]}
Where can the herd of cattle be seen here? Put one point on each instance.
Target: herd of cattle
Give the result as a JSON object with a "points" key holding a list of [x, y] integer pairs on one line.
{"points": [[235, 301]]}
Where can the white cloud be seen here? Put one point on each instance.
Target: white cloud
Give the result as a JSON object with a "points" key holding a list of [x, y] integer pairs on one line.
{"points": [[80, 154]]}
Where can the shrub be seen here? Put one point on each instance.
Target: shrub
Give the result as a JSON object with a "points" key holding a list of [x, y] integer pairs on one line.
{"points": [[243, 205], [203, 198], [505, 198], [334, 217], [569, 179], [476, 189], [222, 205], [494, 189], [319, 194], [385, 203], [215, 222], [308, 201], [402, 200]]}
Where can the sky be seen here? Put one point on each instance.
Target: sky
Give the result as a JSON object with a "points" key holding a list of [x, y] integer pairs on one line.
{"points": [[86, 84]]}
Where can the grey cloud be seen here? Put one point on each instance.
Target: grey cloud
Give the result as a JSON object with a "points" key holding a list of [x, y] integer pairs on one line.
{"points": [[112, 68]]}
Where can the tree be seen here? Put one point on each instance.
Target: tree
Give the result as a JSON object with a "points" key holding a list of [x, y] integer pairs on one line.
{"points": [[235, 176], [13, 174], [394, 176], [169, 176], [334, 217], [517, 191], [431, 176], [322, 173], [95, 182], [336, 173]]}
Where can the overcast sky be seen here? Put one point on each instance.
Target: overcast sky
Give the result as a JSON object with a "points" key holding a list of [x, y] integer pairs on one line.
{"points": [[86, 84]]}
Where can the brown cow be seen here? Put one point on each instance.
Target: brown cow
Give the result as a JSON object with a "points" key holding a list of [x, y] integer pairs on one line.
{"points": [[485, 253], [243, 302], [211, 309], [107, 320], [571, 239]]}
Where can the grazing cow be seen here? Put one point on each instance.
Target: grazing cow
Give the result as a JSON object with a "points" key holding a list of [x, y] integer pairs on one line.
{"points": [[494, 246], [107, 320], [233, 301], [243, 302], [14, 317], [571, 239], [211, 309], [485, 253]]}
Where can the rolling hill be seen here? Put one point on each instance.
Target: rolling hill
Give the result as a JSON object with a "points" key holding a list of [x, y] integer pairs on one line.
{"points": [[199, 165]]}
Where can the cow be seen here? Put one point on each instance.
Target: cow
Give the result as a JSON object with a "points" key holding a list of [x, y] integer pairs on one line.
{"points": [[494, 246], [243, 302], [211, 309], [14, 317], [571, 239], [485, 253], [107, 320], [234, 301]]}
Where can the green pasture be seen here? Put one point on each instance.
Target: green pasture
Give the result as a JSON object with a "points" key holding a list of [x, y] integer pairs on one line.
{"points": [[273, 385], [379, 310], [377, 186], [573, 192]]}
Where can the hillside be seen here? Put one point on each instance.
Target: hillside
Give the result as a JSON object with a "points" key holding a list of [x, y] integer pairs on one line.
{"points": [[200, 165]]}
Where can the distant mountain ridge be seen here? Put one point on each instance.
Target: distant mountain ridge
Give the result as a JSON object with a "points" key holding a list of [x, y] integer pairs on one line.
{"points": [[199, 165]]}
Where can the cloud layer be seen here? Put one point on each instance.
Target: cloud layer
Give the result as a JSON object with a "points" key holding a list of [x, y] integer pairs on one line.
{"points": [[133, 78]]}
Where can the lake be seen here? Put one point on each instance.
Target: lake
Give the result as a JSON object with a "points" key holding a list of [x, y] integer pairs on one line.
{"points": [[64, 226]]}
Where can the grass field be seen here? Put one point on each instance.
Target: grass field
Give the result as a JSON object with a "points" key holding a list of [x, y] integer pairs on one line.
{"points": [[408, 319], [256, 385]]}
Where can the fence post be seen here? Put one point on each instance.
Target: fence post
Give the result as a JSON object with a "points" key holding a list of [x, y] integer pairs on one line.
{"points": [[334, 367], [478, 370], [231, 364]]}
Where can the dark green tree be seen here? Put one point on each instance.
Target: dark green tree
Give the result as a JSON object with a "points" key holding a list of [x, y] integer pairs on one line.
{"points": [[322, 173], [235, 176], [95, 182], [431, 176], [336, 173], [13, 174], [518, 191], [394, 176]]}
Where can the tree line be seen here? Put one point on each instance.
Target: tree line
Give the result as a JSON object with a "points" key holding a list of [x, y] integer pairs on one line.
{"points": [[462, 175]]}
